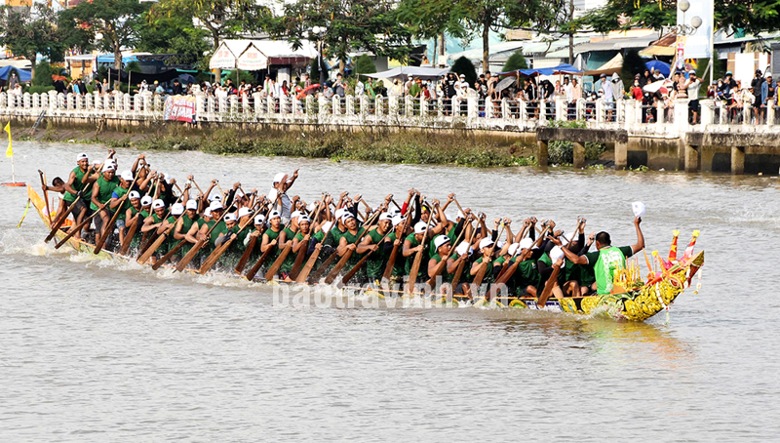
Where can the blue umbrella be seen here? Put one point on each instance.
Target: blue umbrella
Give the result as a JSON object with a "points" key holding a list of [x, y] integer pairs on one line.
{"points": [[665, 68]]}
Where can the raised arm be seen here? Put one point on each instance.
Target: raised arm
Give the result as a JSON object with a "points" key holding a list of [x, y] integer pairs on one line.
{"points": [[640, 238]]}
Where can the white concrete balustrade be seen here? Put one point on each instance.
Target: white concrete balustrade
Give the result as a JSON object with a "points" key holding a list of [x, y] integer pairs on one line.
{"points": [[663, 119]]}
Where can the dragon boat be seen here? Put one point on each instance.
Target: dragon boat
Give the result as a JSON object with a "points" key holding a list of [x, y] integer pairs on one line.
{"points": [[636, 299]]}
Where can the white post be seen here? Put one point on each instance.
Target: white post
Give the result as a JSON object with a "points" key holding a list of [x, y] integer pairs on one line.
{"points": [[770, 112], [350, 105], [392, 103], [472, 106]]}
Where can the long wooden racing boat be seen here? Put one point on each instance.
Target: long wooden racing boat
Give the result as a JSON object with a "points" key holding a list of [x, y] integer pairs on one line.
{"points": [[640, 301]]}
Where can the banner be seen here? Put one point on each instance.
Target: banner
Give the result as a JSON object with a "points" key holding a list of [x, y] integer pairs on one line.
{"points": [[180, 108], [699, 44], [10, 151]]}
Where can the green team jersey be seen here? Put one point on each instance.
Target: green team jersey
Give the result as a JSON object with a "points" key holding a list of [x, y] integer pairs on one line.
{"points": [[605, 262], [446, 277], [272, 235], [375, 265], [105, 190], [77, 185], [526, 275], [352, 239], [488, 273], [334, 237], [413, 243]]}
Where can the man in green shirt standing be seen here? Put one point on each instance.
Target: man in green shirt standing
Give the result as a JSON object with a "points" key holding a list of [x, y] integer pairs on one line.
{"points": [[607, 258]]}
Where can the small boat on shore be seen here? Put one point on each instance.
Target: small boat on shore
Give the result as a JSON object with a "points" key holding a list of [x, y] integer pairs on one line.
{"points": [[638, 301]]}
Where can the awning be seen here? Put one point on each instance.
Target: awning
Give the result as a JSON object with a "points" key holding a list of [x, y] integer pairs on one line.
{"points": [[565, 69], [610, 67], [422, 72], [252, 59], [223, 58], [23, 75]]}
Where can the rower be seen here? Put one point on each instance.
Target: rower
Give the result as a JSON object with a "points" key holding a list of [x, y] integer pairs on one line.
{"points": [[379, 243], [73, 186], [443, 246], [259, 225], [133, 214], [101, 193], [185, 224], [485, 247], [607, 259], [413, 243], [303, 240], [271, 235], [125, 180], [281, 185], [526, 279]]}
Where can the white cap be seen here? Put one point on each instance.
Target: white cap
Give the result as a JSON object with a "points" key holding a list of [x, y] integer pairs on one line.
{"points": [[347, 215], [134, 195], [385, 216], [485, 243], [304, 219], [556, 253], [513, 248], [230, 217], [339, 213], [177, 209], [326, 226], [259, 219], [420, 227], [215, 198], [278, 177], [274, 214], [82, 156], [109, 167], [295, 214], [127, 175], [397, 220], [216, 205], [440, 240], [639, 209], [463, 248], [146, 200], [526, 243], [500, 244], [243, 212], [158, 204], [191, 204], [207, 212]]}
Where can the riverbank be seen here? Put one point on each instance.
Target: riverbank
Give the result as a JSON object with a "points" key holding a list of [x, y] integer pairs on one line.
{"points": [[471, 148]]}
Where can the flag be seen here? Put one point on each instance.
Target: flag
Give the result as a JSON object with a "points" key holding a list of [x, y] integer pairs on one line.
{"points": [[10, 151]]}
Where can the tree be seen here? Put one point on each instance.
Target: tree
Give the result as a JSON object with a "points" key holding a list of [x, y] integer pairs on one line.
{"points": [[515, 61], [42, 75], [28, 32], [363, 65], [351, 25], [483, 16], [222, 18], [116, 21], [173, 34], [632, 65], [751, 16], [465, 67]]}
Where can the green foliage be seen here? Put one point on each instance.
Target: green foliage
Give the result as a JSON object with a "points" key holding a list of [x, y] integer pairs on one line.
{"points": [[352, 25], [427, 19], [133, 66], [30, 31], [242, 75], [40, 89], [173, 34], [465, 67], [116, 21], [363, 65], [515, 61], [43, 74], [314, 71], [562, 152]]}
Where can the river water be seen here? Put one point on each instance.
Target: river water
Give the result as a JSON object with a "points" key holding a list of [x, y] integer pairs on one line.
{"points": [[96, 350]]}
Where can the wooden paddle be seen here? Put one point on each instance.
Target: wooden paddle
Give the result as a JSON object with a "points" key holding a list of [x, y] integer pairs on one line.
{"points": [[274, 268], [348, 276], [211, 260], [45, 194], [462, 265], [304, 274], [548, 286], [394, 252], [250, 274], [154, 246], [315, 277], [250, 247], [62, 217], [301, 256], [73, 230], [509, 271], [110, 226], [131, 231], [348, 253], [415, 269], [199, 245]]}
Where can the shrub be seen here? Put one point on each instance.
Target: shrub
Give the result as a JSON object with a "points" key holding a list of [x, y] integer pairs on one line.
{"points": [[515, 61], [465, 67], [39, 89], [42, 75], [363, 65]]}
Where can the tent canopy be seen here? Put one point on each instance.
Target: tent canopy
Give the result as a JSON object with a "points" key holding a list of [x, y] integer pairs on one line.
{"points": [[253, 55], [24, 75], [564, 68], [610, 67], [665, 68], [425, 73]]}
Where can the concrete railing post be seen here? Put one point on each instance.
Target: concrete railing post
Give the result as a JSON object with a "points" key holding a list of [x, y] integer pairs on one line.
{"points": [[472, 106], [770, 112], [707, 112]]}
